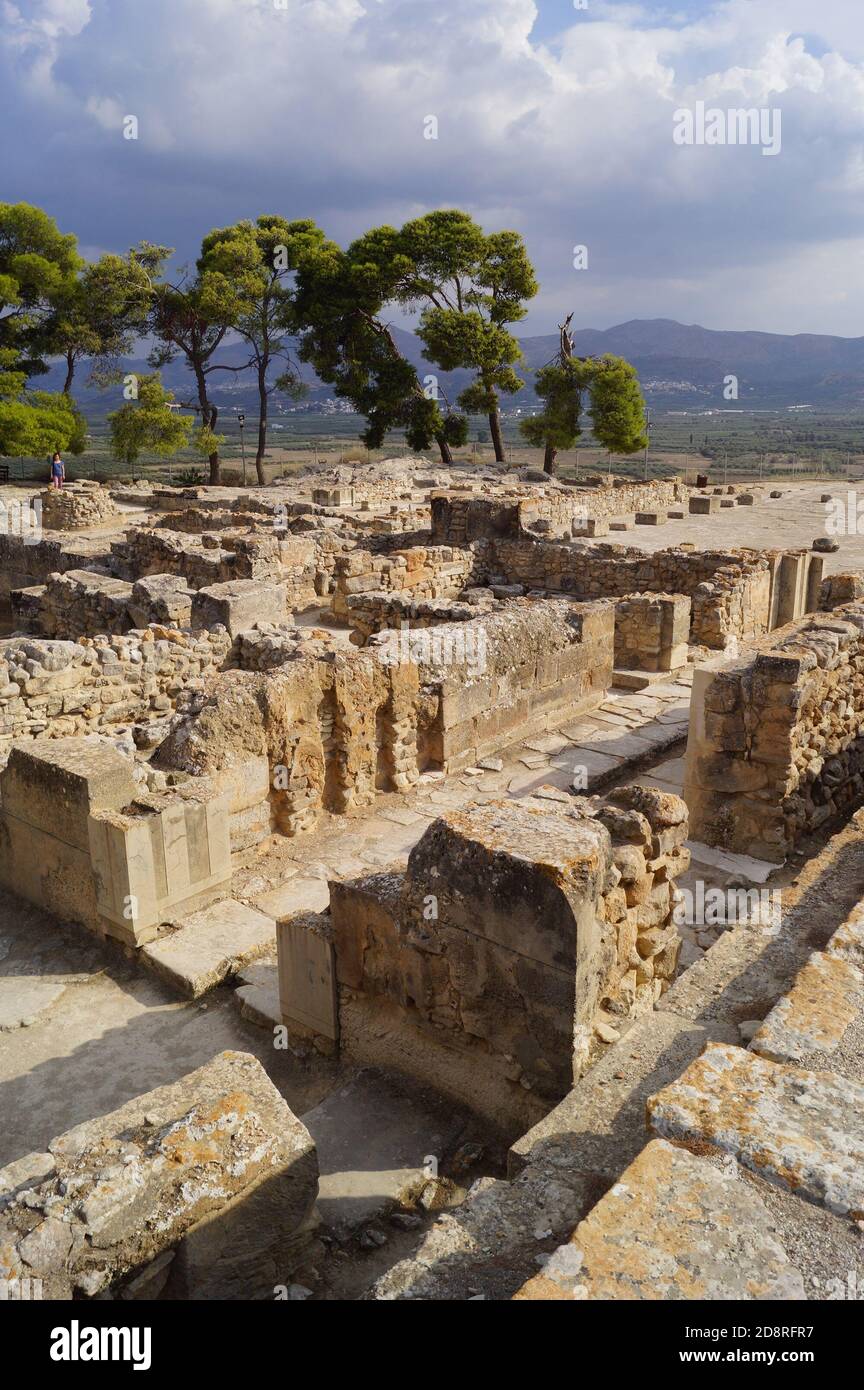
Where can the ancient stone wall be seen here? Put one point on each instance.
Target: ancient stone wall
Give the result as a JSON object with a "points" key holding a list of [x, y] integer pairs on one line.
{"points": [[734, 594], [375, 612], [515, 930], [459, 517], [76, 506], [431, 572], [515, 672], [60, 688], [337, 724], [23, 564], [652, 632], [775, 746], [219, 557]]}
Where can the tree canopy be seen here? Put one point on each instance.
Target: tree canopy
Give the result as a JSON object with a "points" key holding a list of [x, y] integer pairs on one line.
{"points": [[148, 422], [256, 262]]}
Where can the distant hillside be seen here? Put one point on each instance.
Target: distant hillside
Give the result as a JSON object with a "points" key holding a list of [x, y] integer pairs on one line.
{"points": [[679, 365]]}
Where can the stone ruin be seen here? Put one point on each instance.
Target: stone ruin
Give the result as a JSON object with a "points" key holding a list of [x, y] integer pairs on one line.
{"points": [[459, 674]]}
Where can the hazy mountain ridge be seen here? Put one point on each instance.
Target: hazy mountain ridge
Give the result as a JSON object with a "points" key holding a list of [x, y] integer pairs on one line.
{"points": [[679, 365]]}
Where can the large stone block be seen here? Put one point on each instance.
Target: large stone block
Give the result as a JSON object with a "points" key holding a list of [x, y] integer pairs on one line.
{"points": [[56, 784], [802, 1130], [672, 1227], [703, 506], [202, 1189], [165, 854], [239, 604]]}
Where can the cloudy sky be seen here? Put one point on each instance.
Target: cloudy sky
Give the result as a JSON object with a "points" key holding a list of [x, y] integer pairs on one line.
{"points": [[554, 117]]}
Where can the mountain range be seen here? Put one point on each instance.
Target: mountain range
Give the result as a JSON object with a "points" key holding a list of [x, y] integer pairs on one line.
{"points": [[680, 366]]}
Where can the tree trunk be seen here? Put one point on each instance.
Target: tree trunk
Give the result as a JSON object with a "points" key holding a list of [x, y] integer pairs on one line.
{"points": [[213, 459], [262, 422], [550, 464], [70, 372], [446, 452], [209, 414], [495, 431]]}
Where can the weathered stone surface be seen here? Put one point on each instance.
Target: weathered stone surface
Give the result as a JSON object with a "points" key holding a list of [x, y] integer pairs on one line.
{"points": [[239, 604], [76, 506], [210, 946], [847, 943], [672, 1227], [802, 1130], [774, 748], [213, 1170], [825, 999]]}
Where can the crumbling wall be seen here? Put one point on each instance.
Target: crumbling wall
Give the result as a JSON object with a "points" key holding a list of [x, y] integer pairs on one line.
{"points": [[515, 671], [335, 728], [337, 725], [838, 589], [375, 612], [59, 688], [425, 572], [23, 563], [652, 632], [462, 516], [735, 594], [517, 929], [775, 746], [81, 837], [217, 557], [76, 506]]}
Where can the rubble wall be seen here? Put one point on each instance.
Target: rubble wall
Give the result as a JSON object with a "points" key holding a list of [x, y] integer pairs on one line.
{"points": [[775, 747], [733, 593], [459, 517], [431, 572], [60, 688]]}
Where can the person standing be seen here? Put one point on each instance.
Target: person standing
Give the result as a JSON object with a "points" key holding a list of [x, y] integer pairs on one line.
{"points": [[58, 471]]}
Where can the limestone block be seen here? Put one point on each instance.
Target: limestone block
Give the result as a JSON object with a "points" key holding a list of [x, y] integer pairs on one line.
{"points": [[802, 1130], [161, 598], [201, 1189], [210, 946], [164, 853], [55, 784], [239, 604], [827, 996], [672, 1227]]}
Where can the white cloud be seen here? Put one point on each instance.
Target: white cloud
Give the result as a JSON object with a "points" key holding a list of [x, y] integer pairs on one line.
{"points": [[318, 110]]}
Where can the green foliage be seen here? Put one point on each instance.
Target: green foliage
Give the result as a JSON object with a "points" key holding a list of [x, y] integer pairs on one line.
{"points": [[38, 268], [148, 424], [472, 285], [35, 423], [99, 315], [616, 403], [617, 406], [560, 386], [340, 299], [206, 442], [256, 264], [190, 319]]}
